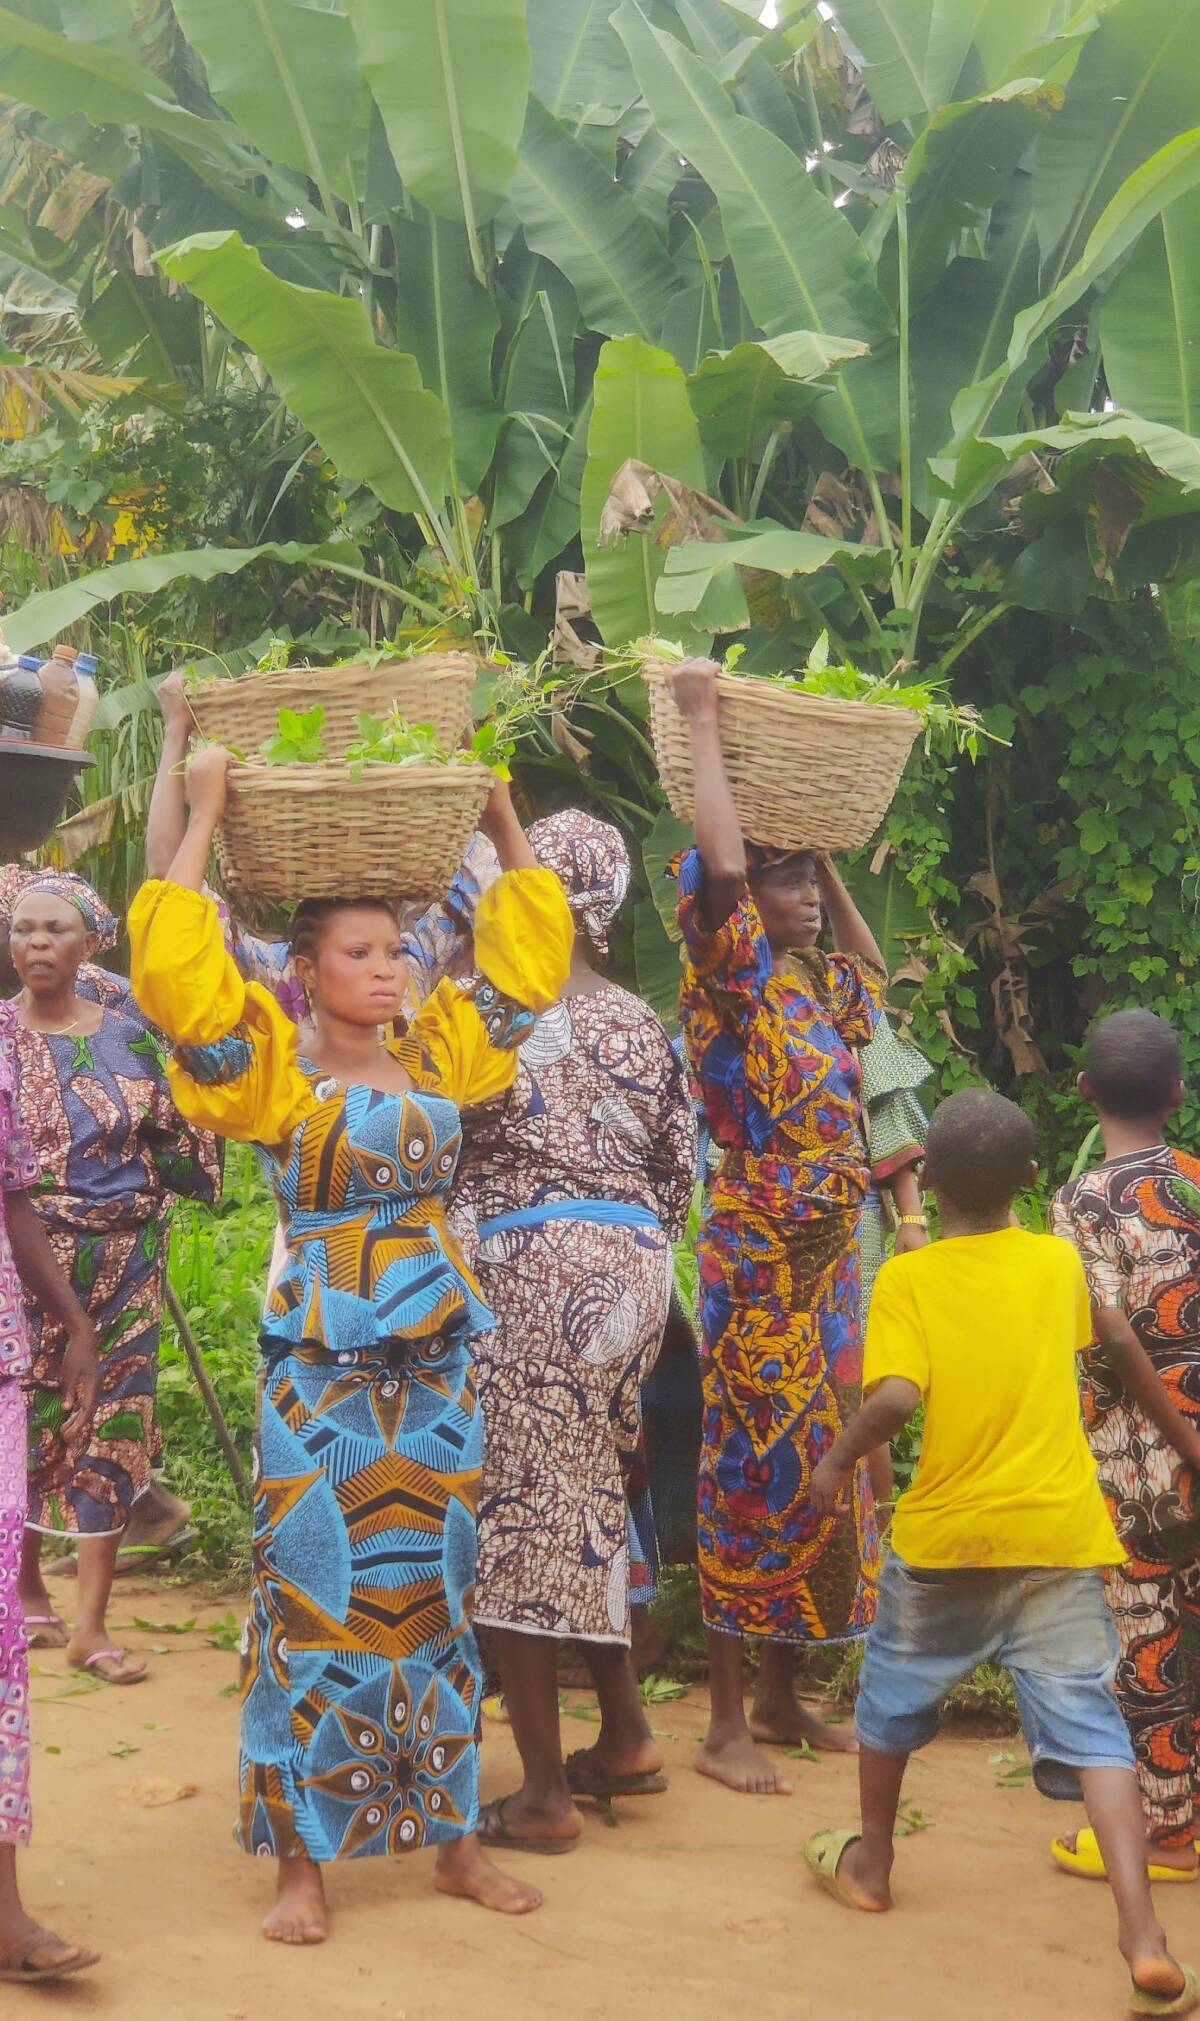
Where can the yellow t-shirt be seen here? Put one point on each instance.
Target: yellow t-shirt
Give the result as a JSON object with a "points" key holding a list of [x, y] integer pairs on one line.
{"points": [[988, 1327]]}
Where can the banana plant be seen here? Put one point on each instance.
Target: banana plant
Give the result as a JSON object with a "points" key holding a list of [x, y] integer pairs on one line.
{"points": [[1002, 268], [880, 286]]}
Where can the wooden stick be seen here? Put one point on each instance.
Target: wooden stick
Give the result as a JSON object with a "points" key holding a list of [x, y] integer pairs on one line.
{"points": [[196, 1364]]}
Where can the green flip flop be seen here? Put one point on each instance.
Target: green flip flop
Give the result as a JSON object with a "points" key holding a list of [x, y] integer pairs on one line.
{"points": [[133, 1559], [823, 1857], [1184, 2002]]}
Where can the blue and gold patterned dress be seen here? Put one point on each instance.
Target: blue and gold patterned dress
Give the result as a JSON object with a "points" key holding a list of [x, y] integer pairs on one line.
{"points": [[361, 1679]]}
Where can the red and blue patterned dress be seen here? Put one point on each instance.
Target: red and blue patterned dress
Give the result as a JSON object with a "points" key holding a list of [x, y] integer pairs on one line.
{"points": [[111, 1150], [772, 1058]]}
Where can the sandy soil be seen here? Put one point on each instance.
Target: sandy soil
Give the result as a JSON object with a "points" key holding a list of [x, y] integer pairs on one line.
{"points": [[695, 1902]]}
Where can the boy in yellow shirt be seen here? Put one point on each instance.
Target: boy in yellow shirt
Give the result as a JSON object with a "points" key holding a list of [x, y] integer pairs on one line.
{"points": [[998, 1545]]}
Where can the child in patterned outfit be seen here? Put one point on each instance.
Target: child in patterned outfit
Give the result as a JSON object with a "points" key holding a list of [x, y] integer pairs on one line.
{"points": [[27, 1952], [1136, 1223]]}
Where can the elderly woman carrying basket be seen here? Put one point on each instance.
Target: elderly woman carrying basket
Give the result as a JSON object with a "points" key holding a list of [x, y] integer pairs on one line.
{"points": [[361, 1685], [772, 1026]]}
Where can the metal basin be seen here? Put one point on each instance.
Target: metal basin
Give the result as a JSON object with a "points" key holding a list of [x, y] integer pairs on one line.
{"points": [[35, 780]]}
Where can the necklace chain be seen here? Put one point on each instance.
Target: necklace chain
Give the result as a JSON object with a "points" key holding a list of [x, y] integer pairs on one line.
{"points": [[52, 1031]]}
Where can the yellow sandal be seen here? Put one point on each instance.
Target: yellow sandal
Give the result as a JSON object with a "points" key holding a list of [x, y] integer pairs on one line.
{"points": [[1086, 1862]]}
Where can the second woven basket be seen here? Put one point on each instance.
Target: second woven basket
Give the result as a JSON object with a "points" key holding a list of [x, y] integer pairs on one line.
{"points": [[314, 831], [805, 771], [435, 688]]}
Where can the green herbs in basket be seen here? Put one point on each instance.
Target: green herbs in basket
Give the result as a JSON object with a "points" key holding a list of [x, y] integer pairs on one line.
{"points": [[387, 740], [944, 722], [392, 740], [300, 740]]}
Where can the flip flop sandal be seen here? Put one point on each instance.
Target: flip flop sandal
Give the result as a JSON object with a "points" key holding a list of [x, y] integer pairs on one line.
{"points": [[44, 1621], [1087, 1862], [1184, 2002], [29, 1974], [110, 1656], [823, 1857], [135, 1558], [586, 1779], [494, 1832]]}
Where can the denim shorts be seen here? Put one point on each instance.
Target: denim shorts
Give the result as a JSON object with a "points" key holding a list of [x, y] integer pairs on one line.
{"points": [[1051, 1631]]}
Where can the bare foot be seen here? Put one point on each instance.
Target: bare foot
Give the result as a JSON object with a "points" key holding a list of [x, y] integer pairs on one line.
{"points": [[38, 1954], [299, 1915], [863, 1886], [741, 1765], [792, 1725], [465, 1869]]}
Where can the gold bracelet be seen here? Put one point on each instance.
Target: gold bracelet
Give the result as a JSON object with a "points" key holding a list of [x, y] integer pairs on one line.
{"points": [[913, 1221]]}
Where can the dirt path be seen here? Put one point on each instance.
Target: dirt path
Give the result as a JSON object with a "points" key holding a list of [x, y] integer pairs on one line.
{"points": [[695, 1905]]}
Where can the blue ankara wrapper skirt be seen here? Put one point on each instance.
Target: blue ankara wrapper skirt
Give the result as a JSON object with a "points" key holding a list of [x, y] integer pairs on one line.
{"points": [[361, 1677]]}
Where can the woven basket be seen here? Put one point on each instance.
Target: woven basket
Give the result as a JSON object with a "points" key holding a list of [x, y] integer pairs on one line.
{"points": [[806, 772], [435, 688], [313, 831]]}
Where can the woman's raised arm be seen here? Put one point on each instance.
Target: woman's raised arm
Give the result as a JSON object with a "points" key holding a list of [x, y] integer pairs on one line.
{"points": [[501, 824], [205, 785], [718, 831], [850, 932]]}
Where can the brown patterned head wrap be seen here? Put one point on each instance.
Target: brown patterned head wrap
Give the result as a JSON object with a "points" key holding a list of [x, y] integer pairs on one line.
{"points": [[591, 862]]}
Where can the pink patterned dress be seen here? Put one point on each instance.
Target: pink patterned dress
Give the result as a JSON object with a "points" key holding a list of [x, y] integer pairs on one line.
{"points": [[18, 1171]]}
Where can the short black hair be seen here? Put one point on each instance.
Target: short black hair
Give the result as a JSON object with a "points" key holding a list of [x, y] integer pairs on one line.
{"points": [[1133, 1064], [313, 915], [979, 1150]]}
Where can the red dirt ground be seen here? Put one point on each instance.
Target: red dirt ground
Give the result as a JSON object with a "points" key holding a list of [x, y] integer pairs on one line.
{"points": [[696, 1906]]}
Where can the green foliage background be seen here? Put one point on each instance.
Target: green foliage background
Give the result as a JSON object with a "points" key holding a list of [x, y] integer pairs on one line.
{"points": [[896, 314]]}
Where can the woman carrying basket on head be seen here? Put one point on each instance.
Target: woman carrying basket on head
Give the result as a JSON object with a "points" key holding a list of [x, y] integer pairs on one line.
{"points": [[437, 943], [771, 1026], [361, 1681]]}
